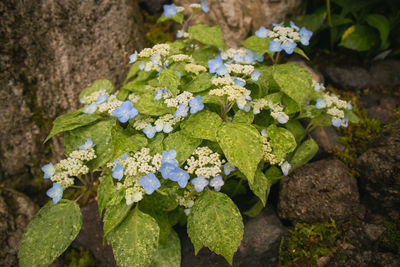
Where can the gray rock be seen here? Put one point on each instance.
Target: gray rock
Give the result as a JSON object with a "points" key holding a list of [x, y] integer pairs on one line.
{"points": [[16, 211], [51, 51], [380, 171], [385, 74], [348, 78], [259, 246], [326, 138], [318, 192], [368, 258], [239, 18]]}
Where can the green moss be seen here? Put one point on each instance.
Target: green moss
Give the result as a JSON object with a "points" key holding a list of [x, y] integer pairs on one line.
{"points": [[79, 258], [392, 235], [307, 243], [158, 32]]}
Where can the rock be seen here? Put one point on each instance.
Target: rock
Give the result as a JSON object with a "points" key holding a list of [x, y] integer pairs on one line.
{"points": [[16, 211], [367, 258], [326, 138], [318, 192], [91, 236], [259, 247], [239, 18], [348, 78], [380, 171], [51, 51], [153, 6], [385, 74]]}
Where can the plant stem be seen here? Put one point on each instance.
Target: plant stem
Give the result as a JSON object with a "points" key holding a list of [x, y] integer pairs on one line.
{"points": [[328, 11], [277, 58]]}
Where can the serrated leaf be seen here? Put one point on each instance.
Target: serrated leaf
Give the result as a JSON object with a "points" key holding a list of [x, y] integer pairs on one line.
{"points": [[200, 83], [97, 85], [257, 44], [295, 127], [304, 153], [183, 144], [50, 233], [290, 105], [170, 80], [135, 240], [71, 121], [261, 186], [243, 117], [100, 133], [156, 144], [207, 35], [136, 87], [359, 37], [133, 70], [202, 55], [351, 116], [281, 140], [215, 222], [168, 254], [242, 146], [123, 141], [115, 213], [148, 106], [104, 192], [381, 23], [203, 124], [293, 80]]}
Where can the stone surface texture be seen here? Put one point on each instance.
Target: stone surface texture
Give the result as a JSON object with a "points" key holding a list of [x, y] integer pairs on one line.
{"points": [[240, 18], [51, 51], [16, 211], [317, 192]]}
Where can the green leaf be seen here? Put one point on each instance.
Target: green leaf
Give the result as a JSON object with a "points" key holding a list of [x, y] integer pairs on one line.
{"points": [[295, 127], [215, 222], [255, 209], [136, 87], [170, 79], [242, 146], [123, 141], [359, 37], [148, 106], [261, 186], [168, 254], [176, 46], [381, 23], [290, 105], [97, 86], [257, 44], [293, 80], [312, 22], [100, 133], [133, 70], [200, 83], [203, 124], [304, 153], [104, 192], [50, 233], [183, 144], [207, 35], [71, 121], [351, 116], [135, 240], [244, 117], [204, 54], [273, 174], [156, 144], [115, 213], [281, 140], [177, 18], [300, 52]]}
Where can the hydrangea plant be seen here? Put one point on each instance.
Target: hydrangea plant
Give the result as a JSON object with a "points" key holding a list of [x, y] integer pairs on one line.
{"points": [[194, 120]]}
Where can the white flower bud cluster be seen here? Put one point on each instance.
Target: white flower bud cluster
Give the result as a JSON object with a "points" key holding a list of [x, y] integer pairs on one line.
{"points": [[187, 201], [62, 179], [109, 106], [167, 119], [240, 56], [181, 58], [92, 98], [83, 154], [141, 163], [133, 194], [259, 104], [268, 155], [318, 87], [72, 167], [218, 81], [282, 33], [133, 98], [240, 69], [194, 68], [234, 92], [277, 113], [182, 33], [335, 112], [204, 162], [195, 6], [334, 100], [141, 121], [183, 98]]}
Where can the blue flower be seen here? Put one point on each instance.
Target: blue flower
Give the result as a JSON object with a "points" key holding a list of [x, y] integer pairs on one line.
{"points": [[166, 169], [101, 99], [275, 46], [345, 122], [228, 168], [56, 192], [264, 132], [255, 75], [204, 6], [260, 58], [167, 128], [90, 109], [321, 103], [155, 59], [169, 10], [180, 176], [133, 57], [239, 82], [199, 183], [179, 74], [196, 104], [285, 167], [262, 32], [181, 111], [248, 57], [217, 66], [169, 157], [294, 26], [288, 46], [118, 171], [282, 118], [159, 93], [349, 106], [217, 182], [124, 156], [149, 182], [125, 112], [87, 145], [149, 131], [49, 170], [305, 36], [179, 34], [336, 122], [141, 66]]}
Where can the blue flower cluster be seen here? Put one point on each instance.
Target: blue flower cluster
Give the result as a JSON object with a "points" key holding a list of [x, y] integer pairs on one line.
{"points": [[125, 112]]}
